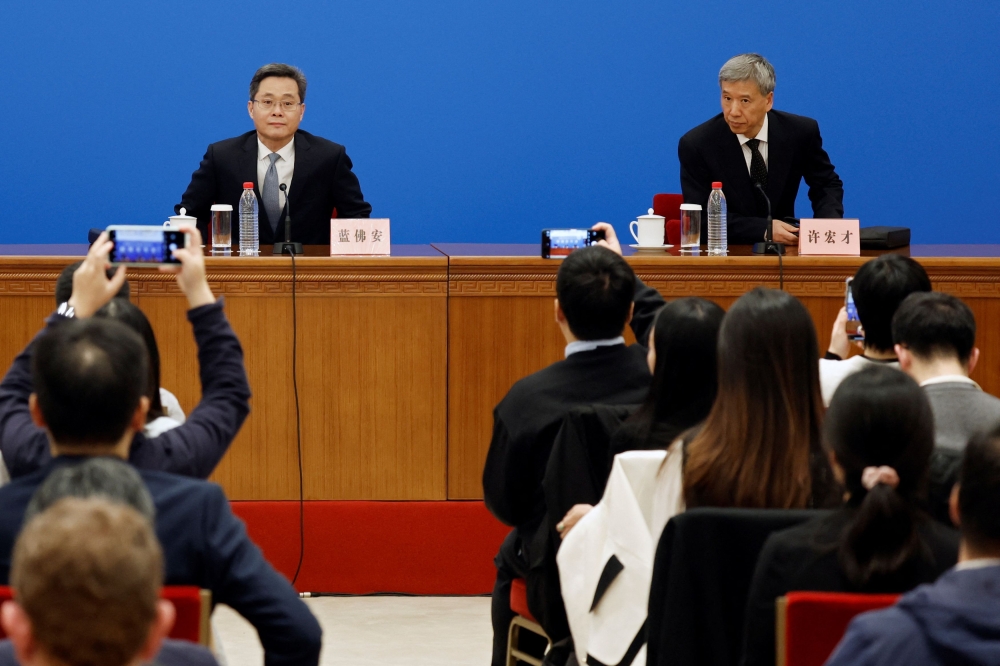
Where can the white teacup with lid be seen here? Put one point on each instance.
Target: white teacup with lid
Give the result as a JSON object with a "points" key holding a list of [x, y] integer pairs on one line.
{"points": [[175, 221], [648, 230]]}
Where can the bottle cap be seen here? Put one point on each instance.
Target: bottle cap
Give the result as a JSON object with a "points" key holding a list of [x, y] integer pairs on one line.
{"points": [[247, 186], [716, 186]]}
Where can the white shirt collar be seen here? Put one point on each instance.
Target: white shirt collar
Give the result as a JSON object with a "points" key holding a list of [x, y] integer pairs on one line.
{"points": [[761, 135], [949, 379], [287, 152], [590, 345], [980, 563]]}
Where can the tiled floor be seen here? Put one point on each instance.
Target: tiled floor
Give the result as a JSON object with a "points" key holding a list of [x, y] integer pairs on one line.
{"points": [[363, 631]]}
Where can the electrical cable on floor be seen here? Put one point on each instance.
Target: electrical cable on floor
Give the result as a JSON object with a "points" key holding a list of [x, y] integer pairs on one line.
{"points": [[298, 425]]}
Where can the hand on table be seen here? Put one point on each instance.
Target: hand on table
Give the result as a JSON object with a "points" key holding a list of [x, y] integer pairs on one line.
{"points": [[610, 238], [191, 273], [782, 232], [571, 518], [92, 288]]}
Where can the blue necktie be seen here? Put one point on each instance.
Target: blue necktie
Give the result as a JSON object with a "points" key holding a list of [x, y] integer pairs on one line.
{"points": [[269, 193]]}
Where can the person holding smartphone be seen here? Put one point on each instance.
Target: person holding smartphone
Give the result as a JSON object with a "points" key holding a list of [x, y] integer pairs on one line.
{"points": [[876, 290]]}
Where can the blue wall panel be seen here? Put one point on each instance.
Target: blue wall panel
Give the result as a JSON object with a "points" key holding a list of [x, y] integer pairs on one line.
{"points": [[485, 121]]}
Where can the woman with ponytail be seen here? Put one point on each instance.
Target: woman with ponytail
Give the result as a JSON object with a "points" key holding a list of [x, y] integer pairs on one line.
{"points": [[878, 434]]}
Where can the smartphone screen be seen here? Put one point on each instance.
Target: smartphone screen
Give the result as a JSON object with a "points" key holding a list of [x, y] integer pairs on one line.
{"points": [[558, 243], [853, 323], [144, 246]]}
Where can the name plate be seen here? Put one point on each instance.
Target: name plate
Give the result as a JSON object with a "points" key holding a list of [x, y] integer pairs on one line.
{"points": [[837, 238], [359, 238]]}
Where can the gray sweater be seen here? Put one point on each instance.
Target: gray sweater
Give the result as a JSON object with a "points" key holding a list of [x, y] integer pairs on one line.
{"points": [[961, 410]]}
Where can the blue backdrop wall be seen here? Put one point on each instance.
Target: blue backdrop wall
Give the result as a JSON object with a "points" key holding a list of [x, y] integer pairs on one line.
{"points": [[485, 121]]}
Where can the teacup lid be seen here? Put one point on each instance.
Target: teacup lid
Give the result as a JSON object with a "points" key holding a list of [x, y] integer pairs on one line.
{"points": [[183, 217], [650, 214], [690, 206]]}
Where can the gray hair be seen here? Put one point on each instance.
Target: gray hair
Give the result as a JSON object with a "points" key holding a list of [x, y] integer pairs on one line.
{"points": [[110, 478], [749, 67], [280, 70]]}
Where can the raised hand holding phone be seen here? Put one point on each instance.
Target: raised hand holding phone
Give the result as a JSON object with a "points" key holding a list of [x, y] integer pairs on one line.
{"points": [[191, 272], [92, 288]]}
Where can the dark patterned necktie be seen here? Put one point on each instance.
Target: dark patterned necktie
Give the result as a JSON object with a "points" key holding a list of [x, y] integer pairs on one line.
{"points": [[758, 170]]}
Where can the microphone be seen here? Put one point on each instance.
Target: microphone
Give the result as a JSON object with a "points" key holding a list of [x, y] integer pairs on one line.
{"points": [[287, 245], [768, 246]]}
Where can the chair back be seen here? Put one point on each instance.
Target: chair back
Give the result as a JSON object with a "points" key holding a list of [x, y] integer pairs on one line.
{"points": [[704, 565], [810, 624], [669, 206], [193, 605]]}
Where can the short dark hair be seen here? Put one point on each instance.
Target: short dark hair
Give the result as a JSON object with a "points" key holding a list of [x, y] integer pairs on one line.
{"points": [[935, 324], [131, 315], [64, 283], [979, 492], [280, 70], [102, 476], [89, 376], [879, 286], [595, 288]]}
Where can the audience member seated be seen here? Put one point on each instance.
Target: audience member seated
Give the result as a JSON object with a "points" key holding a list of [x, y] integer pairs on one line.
{"points": [[195, 447], [879, 433], [879, 286], [681, 358], [90, 377], [758, 448], [64, 284], [87, 575], [935, 336], [165, 411], [595, 290], [955, 620]]}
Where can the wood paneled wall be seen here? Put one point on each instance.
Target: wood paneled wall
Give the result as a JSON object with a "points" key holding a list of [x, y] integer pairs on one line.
{"points": [[401, 360]]}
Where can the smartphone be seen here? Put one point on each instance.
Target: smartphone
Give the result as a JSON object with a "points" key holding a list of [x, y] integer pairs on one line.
{"points": [[145, 245], [853, 323], [558, 243]]}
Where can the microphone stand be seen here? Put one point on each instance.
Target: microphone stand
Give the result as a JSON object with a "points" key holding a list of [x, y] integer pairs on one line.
{"points": [[768, 246], [281, 247]]}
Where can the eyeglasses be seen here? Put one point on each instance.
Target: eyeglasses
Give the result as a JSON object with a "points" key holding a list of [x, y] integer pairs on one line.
{"points": [[268, 104]]}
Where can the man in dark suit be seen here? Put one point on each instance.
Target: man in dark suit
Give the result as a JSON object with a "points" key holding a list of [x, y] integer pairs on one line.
{"points": [[597, 294], [68, 562], [316, 172], [89, 375], [750, 145]]}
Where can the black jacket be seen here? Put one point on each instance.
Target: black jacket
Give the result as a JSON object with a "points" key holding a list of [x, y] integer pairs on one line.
{"points": [[321, 182], [804, 558], [204, 544], [711, 152]]}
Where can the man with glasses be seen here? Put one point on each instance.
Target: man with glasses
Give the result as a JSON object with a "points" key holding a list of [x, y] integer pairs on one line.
{"points": [[315, 172]]}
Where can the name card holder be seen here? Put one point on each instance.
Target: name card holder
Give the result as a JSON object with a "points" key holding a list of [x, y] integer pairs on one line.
{"points": [[359, 237], [830, 238]]}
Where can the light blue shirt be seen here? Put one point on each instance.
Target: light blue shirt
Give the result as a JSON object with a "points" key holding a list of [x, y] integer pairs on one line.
{"points": [[590, 345]]}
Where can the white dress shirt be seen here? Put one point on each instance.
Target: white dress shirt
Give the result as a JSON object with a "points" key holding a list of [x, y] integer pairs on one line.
{"points": [[285, 166], [761, 147], [591, 345]]}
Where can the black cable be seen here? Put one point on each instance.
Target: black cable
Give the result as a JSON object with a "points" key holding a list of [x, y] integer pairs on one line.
{"points": [[298, 426]]}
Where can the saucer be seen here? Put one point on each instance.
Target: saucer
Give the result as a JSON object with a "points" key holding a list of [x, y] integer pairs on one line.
{"points": [[650, 248]]}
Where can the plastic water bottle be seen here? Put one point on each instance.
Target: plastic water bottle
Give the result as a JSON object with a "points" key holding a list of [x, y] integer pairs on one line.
{"points": [[717, 222], [249, 242]]}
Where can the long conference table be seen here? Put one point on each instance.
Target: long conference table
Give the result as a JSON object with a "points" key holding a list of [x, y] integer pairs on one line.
{"points": [[400, 360]]}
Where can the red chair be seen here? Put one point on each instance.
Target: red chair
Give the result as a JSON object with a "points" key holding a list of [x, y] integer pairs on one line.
{"points": [[811, 624], [194, 612], [669, 206], [523, 620]]}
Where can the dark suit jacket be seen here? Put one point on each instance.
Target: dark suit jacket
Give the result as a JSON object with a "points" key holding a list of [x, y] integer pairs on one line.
{"points": [[804, 558], [193, 449], [711, 152], [204, 544], [173, 653], [321, 182], [525, 424]]}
